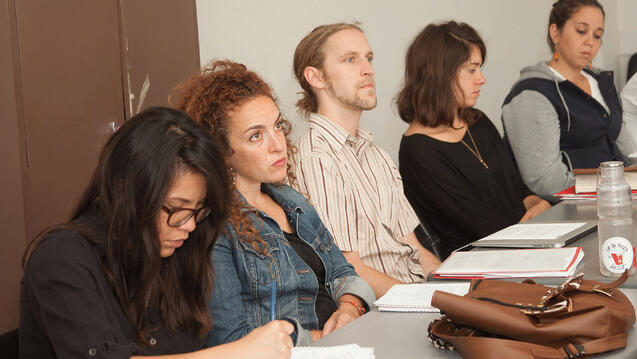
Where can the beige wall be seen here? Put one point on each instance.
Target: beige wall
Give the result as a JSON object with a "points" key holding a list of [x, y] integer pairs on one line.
{"points": [[627, 35], [263, 35]]}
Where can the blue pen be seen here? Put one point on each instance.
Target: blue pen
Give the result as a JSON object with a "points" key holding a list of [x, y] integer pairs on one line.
{"points": [[272, 300]]}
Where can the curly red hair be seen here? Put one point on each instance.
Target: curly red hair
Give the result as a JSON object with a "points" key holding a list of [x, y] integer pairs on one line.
{"points": [[208, 98]]}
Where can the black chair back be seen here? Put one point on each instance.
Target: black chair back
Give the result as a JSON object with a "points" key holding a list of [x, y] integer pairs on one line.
{"points": [[429, 240], [632, 67]]}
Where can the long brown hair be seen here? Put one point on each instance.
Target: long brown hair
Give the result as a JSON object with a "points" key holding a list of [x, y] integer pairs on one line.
{"points": [[432, 63], [118, 215], [208, 97], [309, 52]]}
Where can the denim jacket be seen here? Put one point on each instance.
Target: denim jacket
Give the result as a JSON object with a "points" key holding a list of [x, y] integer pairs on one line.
{"points": [[241, 294]]}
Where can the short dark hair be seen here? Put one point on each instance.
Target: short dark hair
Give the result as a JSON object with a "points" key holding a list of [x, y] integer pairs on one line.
{"points": [[136, 168], [563, 10], [432, 63]]}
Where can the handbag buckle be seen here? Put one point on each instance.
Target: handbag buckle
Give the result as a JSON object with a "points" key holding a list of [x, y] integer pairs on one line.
{"points": [[579, 350]]}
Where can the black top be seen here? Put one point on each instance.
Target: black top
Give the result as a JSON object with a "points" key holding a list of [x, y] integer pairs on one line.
{"points": [[325, 305], [68, 309], [453, 194]]}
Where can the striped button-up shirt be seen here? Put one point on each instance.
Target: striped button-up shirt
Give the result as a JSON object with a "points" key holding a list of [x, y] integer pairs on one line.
{"points": [[358, 193]]}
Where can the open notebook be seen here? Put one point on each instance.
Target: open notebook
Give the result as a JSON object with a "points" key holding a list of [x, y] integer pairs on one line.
{"points": [[416, 297]]}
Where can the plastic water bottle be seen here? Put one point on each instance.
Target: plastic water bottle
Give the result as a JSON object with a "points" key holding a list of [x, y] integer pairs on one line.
{"points": [[615, 227]]}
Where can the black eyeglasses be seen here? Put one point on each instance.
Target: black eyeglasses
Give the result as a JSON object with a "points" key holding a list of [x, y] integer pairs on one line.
{"points": [[179, 216]]}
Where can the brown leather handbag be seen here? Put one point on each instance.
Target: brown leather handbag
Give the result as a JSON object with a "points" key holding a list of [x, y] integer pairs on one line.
{"points": [[501, 319]]}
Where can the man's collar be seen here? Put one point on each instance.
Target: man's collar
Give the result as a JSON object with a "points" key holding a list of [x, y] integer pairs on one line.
{"points": [[336, 135]]}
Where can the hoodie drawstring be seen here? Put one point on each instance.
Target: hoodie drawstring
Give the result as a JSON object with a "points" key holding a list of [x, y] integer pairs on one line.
{"points": [[568, 114], [568, 160]]}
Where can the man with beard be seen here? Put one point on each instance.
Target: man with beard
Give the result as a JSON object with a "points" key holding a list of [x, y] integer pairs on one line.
{"points": [[354, 185]]}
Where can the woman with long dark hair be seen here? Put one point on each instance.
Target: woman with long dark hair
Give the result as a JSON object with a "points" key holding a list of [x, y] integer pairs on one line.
{"points": [[274, 244], [565, 114], [130, 273], [455, 169]]}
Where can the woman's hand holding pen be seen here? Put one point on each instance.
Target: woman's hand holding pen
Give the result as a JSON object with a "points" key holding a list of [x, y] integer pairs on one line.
{"points": [[269, 341]]}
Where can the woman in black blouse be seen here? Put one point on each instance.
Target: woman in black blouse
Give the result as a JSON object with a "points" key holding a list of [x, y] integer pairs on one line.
{"points": [[130, 274], [456, 172]]}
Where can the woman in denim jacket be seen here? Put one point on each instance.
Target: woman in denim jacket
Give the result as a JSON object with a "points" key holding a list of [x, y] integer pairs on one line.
{"points": [[274, 234]]}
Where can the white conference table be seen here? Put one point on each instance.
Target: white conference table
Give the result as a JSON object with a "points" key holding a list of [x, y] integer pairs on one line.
{"points": [[404, 335]]}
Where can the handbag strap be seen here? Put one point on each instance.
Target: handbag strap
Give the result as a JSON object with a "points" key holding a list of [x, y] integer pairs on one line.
{"points": [[592, 285], [485, 345], [573, 350]]}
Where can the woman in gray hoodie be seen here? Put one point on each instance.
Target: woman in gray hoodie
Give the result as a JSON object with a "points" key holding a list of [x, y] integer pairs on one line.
{"points": [[565, 114]]}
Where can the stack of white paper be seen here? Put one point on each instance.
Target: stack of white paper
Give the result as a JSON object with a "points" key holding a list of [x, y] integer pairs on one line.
{"points": [[416, 297], [516, 263], [350, 351]]}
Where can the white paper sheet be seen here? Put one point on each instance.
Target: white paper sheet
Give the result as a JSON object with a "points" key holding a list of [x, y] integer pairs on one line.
{"points": [[417, 297], [350, 351]]}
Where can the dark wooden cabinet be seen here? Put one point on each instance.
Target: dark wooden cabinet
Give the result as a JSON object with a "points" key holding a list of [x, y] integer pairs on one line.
{"points": [[71, 69]]}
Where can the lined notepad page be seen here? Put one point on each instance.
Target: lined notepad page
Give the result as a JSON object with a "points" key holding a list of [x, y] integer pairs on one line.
{"points": [[350, 351], [416, 297]]}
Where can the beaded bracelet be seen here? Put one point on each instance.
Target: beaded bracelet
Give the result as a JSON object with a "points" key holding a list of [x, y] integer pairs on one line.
{"points": [[360, 309]]}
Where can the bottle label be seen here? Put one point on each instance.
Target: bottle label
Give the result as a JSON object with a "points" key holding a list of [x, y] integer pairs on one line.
{"points": [[617, 254]]}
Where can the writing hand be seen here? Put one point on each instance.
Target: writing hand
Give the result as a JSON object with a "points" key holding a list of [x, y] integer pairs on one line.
{"points": [[269, 341]]}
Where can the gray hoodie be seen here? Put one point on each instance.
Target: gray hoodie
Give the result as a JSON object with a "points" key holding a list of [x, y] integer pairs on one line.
{"points": [[532, 127]]}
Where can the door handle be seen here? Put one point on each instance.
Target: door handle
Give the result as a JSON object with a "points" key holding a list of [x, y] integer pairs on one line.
{"points": [[113, 126]]}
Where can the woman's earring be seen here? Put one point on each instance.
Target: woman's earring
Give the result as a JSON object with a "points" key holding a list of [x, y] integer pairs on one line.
{"points": [[556, 56], [590, 66], [234, 176]]}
